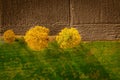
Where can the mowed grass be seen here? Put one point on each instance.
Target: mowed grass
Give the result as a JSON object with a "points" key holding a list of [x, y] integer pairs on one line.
{"points": [[98, 60]]}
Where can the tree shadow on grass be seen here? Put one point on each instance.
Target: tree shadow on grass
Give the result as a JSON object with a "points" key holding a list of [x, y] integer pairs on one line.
{"points": [[91, 66], [73, 64], [27, 59]]}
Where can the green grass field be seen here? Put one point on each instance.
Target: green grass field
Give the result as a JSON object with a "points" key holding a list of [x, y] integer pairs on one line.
{"points": [[96, 60]]}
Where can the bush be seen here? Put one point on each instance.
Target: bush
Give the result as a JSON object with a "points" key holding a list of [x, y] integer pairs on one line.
{"points": [[68, 38], [37, 37], [9, 36]]}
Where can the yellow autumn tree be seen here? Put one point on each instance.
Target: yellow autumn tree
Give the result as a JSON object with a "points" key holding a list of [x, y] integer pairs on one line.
{"points": [[37, 37], [68, 38], [9, 36]]}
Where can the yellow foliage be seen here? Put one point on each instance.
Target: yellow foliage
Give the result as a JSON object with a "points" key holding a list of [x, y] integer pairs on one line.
{"points": [[37, 37], [9, 36], [68, 38]]}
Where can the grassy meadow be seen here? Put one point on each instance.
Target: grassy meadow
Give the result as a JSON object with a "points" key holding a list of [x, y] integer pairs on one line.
{"points": [[97, 60]]}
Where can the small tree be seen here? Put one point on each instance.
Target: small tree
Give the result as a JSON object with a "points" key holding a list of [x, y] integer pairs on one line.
{"points": [[68, 38], [37, 37], [9, 36]]}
